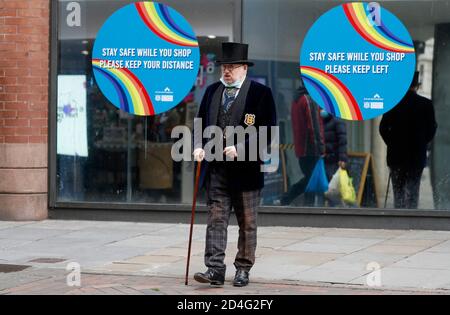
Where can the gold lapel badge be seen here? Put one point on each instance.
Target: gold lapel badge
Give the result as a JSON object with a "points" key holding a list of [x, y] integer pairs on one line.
{"points": [[250, 119]]}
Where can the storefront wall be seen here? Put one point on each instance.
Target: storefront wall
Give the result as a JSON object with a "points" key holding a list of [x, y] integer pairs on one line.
{"points": [[102, 158], [24, 63]]}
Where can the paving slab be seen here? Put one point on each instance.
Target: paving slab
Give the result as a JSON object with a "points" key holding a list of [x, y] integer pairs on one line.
{"points": [[425, 235], [29, 233], [366, 257], [358, 233], [381, 248], [331, 275], [394, 277], [408, 259], [11, 224], [149, 241], [324, 247], [443, 247], [426, 260], [11, 243]]}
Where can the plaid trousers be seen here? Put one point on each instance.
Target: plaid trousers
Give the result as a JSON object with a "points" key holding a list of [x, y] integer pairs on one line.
{"points": [[220, 200]]}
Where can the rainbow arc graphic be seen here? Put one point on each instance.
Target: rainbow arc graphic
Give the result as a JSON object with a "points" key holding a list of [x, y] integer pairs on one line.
{"points": [[379, 36], [336, 97], [132, 94], [127, 85], [157, 17]]}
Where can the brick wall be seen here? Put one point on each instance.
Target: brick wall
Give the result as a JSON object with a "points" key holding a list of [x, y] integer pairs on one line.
{"points": [[24, 71]]}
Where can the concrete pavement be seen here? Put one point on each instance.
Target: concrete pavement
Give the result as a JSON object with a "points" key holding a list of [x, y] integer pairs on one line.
{"points": [[292, 260]]}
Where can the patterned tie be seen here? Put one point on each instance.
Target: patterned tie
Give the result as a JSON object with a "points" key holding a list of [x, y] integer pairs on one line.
{"points": [[229, 97]]}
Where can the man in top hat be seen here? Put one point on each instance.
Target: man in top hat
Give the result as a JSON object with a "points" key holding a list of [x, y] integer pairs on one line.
{"points": [[407, 130], [236, 181]]}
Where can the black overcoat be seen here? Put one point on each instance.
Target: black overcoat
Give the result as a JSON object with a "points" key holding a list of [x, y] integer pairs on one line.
{"points": [[253, 101]]}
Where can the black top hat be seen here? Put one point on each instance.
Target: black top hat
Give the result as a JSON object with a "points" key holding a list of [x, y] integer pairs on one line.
{"points": [[234, 53]]}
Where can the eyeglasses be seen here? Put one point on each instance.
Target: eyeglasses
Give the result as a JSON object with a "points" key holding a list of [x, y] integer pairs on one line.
{"points": [[230, 67]]}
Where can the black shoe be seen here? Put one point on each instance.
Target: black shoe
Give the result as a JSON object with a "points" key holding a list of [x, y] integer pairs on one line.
{"points": [[210, 276], [241, 278]]}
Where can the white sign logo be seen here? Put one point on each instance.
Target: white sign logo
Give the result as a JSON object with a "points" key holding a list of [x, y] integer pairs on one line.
{"points": [[164, 96], [375, 102]]}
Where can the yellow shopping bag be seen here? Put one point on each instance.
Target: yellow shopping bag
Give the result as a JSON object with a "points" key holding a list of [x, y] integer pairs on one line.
{"points": [[346, 188]]}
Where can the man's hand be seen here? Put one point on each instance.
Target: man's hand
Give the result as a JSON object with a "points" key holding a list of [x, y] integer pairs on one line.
{"points": [[199, 154], [230, 151]]}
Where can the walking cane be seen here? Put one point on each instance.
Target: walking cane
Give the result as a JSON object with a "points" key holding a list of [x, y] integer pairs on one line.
{"points": [[194, 201], [387, 190]]}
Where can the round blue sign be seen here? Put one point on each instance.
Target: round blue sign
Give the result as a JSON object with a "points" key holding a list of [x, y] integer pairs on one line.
{"points": [[145, 58], [357, 61]]}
